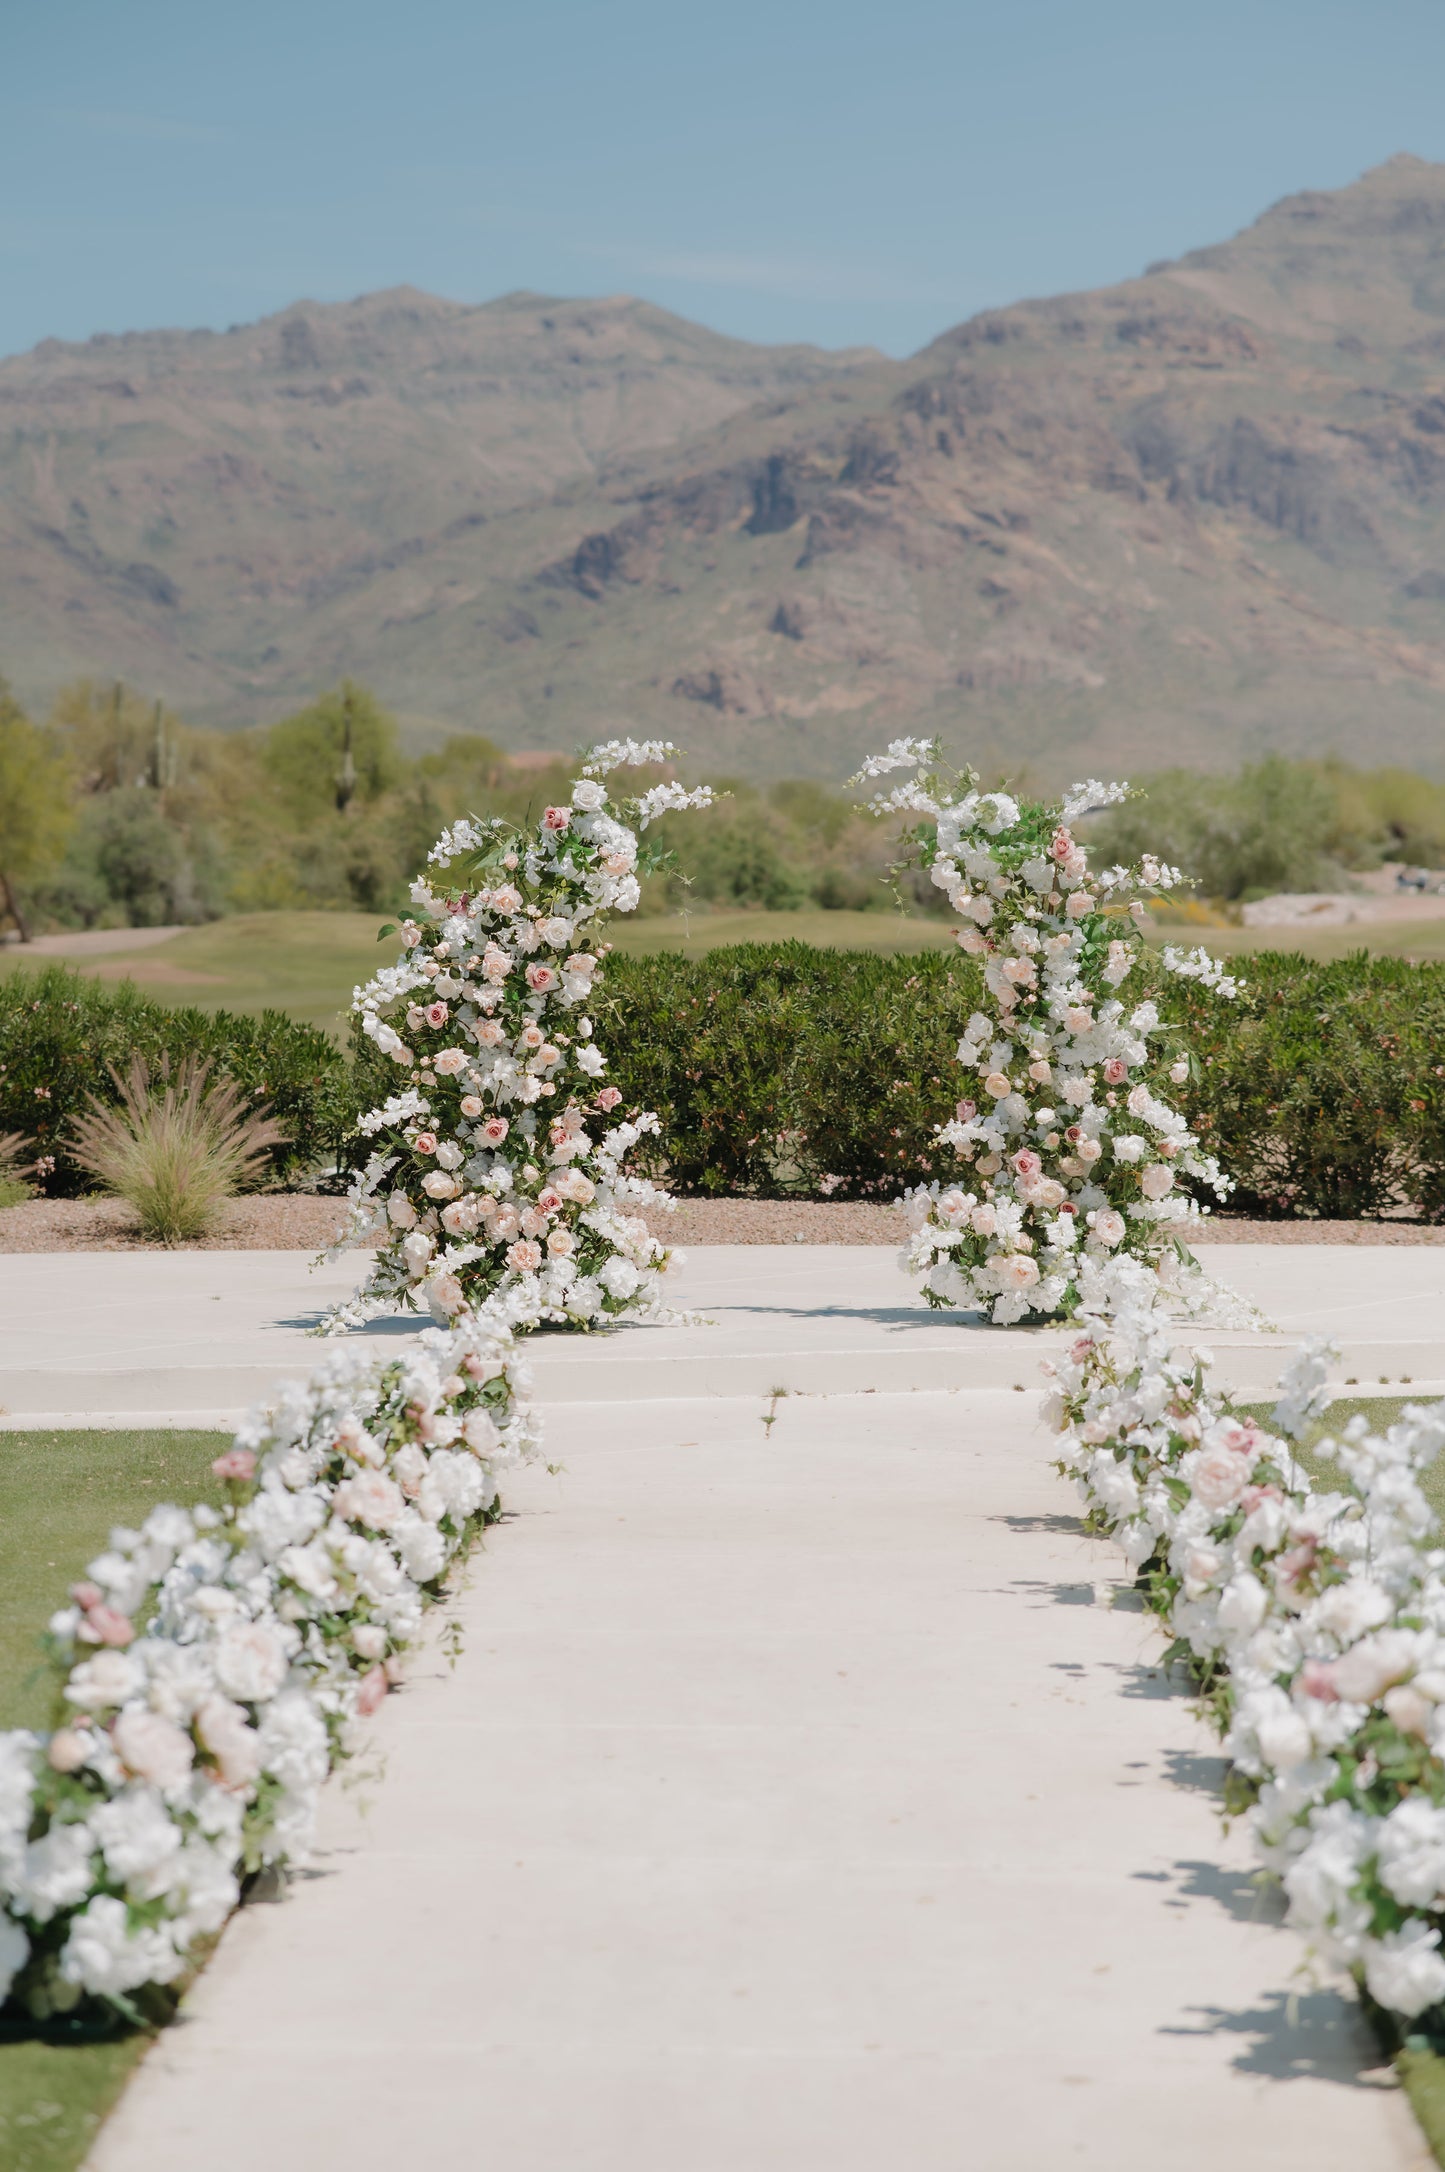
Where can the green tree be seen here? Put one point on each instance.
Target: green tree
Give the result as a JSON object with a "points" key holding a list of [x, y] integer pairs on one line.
{"points": [[340, 750], [35, 805]]}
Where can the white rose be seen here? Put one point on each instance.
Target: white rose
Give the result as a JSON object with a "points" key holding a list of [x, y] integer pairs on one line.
{"points": [[416, 1251], [449, 1155], [251, 1662], [106, 1680], [369, 1498], [1156, 1180], [1109, 1227], [437, 1184], [1404, 1970], [588, 795], [1128, 1146], [448, 1061], [400, 1211]]}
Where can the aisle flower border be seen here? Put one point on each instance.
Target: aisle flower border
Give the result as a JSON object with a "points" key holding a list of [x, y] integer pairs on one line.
{"points": [[211, 1665], [1313, 1622]]}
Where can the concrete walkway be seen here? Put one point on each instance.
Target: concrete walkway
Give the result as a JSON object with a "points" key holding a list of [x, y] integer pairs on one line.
{"points": [[194, 1338], [798, 1805]]}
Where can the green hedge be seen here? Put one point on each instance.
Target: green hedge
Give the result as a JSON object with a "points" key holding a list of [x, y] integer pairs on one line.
{"points": [[1323, 1089], [60, 1033], [776, 1067], [780, 1070]]}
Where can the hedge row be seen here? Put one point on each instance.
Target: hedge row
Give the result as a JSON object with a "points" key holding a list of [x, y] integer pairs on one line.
{"points": [[61, 1033], [780, 1070]]}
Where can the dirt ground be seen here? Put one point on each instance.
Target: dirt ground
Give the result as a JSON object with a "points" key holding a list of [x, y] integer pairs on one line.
{"points": [[299, 1222]]}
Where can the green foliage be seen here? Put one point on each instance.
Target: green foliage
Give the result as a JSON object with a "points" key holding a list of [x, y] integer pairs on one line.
{"points": [[1322, 1091], [1273, 827], [786, 1071], [776, 1067], [60, 1034], [343, 747], [35, 811]]}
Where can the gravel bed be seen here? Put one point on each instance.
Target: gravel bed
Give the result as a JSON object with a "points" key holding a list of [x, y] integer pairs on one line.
{"points": [[279, 1222], [299, 1222]]}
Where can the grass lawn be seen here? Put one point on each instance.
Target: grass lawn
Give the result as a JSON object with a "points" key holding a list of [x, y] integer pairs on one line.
{"points": [[309, 963], [1423, 941], [60, 1493]]}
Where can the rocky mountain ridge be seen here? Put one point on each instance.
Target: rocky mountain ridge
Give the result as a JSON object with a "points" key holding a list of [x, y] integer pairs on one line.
{"points": [[1189, 517]]}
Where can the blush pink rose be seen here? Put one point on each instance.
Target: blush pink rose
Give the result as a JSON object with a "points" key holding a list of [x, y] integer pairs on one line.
{"points": [[608, 1098], [540, 978], [236, 1463], [372, 1692], [1027, 1164], [556, 818], [425, 1142], [107, 1625], [1220, 1477], [436, 1014], [1115, 1071], [153, 1748], [495, 1129], [524, 1256]]}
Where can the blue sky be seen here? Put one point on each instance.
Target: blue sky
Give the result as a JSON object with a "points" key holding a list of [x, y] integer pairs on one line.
{"points": [[780, 170]]}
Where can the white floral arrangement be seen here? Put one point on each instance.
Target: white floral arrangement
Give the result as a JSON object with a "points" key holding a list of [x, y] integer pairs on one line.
{"points": [[210, 1665], [1072, 1145], [1314, 1621], [500, 1165]]}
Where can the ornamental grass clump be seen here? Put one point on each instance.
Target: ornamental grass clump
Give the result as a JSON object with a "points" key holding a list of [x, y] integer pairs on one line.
{"points": [[174, 1153], [13, 1169]]}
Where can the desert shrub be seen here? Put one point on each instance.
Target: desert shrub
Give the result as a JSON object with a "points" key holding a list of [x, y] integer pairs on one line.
{"points": [[61, 1034], [175, 1150]]}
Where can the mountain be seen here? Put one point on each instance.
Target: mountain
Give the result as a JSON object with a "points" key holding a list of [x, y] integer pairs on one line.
{"points": [[1187, 518]]}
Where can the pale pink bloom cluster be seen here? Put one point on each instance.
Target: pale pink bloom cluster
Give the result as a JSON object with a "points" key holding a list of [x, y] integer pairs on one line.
{"points": [[1071, 1149], [500, 1166], [194, 1747], [1316, 1619]]}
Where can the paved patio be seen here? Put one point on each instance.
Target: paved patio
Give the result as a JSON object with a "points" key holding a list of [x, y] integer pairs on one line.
{"points": [[799, 1804], [196, 1337]]}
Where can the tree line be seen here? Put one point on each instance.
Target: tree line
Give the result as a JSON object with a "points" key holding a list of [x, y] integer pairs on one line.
{"points": [[116, 813]]}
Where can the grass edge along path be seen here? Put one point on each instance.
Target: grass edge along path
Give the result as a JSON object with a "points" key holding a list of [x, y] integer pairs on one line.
{"points": [[60, 1494]]}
